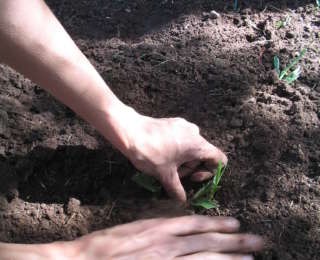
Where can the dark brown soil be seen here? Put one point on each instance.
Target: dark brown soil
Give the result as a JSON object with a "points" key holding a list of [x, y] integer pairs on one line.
{"points": [[60, 179]]}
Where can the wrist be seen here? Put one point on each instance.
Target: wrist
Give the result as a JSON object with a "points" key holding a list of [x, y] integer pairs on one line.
{"points": [[123, 122]]}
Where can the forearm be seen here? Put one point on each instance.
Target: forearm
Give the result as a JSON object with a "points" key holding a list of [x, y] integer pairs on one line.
{"points": [[34, 43]]}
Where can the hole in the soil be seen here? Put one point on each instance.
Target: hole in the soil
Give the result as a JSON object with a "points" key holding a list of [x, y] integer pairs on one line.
{"points": [[93, 176]]}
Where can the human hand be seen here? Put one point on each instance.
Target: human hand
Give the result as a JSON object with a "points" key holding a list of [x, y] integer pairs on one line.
{"points": [[184, 238], [171, 148]]}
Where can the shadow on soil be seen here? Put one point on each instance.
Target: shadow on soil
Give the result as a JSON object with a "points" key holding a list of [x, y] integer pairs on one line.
{"points": [[132, 19]]}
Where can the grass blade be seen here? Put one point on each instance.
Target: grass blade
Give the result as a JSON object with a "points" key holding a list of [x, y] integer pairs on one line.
{"points": [[282, 23], [202, 191], [207, 192], [279, 24], [235, 5], [294, 62], [207, 204], [293, 76], [216, 179], [276, 64]]}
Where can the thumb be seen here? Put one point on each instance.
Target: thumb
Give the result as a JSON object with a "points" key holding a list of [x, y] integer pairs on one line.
{"points": [[172, 184]]}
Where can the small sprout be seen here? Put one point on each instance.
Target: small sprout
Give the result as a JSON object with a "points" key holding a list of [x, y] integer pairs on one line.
{"points": [[286, 75], [205, 197], [283, 23], [276, 63], [147, 182], [293, 76], [235, 5], [205, 203]]}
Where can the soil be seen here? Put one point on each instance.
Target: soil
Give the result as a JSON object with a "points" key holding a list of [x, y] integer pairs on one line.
{"points": [[61, 180]]}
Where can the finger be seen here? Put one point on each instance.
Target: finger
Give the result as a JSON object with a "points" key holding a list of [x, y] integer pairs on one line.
{"points": [[196, 224], [201, 176], [188, 168], [214, 256], [192, 164], [219, 243], [184, 171], [172, 184], [206, 152]]}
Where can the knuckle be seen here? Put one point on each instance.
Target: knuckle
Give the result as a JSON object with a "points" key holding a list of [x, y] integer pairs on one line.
{"points": [[195, 128], [163, 250], [214, 238], [199, 225], [241, 241], [180, 120]]}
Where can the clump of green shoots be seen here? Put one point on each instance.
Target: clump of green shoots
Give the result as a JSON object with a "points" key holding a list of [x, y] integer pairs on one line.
{"points": [[284, 22], [287, 74], [235, 5], [203, 198]]}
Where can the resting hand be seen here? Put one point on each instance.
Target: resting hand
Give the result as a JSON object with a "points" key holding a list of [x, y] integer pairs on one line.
{"points": [[184, 238]]}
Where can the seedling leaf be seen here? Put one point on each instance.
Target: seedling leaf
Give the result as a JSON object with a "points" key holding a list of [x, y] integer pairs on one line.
{"points": [[294, 62], [204, 203], [216, 180], [147, 182], [204, 197], [276, 64], [293, 76], [202, 191], [235, 5], [283, 23], [279, 24]]}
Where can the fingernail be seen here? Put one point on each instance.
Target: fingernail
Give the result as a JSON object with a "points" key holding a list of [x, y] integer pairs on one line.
{"points": [[247, 257], [233, 223], [255, 242]]}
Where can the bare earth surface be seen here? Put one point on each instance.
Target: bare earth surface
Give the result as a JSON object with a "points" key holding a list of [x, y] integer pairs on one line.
{"points": [[60, 179]]}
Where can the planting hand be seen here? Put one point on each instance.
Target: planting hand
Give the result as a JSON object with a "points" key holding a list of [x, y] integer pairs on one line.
{"points": [[183, 238], [40, 48], [170, 148]]}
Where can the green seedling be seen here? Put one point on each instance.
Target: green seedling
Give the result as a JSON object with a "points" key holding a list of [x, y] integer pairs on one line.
{"points": [[318, 3], [286, 74], [147, 182], [283, 23], [235, 5], [205, 197]]}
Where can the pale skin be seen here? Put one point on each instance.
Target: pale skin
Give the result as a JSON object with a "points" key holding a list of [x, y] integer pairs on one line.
{"points": [[33, 42]]}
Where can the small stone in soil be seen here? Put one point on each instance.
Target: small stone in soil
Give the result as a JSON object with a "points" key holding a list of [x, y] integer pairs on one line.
{"points": [[229, 137], [3, 203], [73, 206], [213, 14]]}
